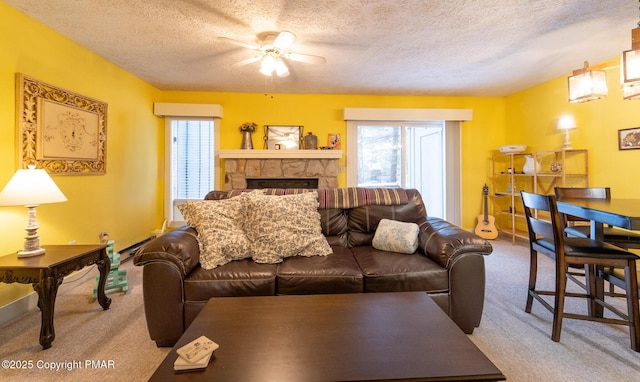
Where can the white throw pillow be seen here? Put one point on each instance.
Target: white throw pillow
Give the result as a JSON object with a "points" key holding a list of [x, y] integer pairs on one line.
{"points": [[396, 236], [284, 226], [219, 223]]}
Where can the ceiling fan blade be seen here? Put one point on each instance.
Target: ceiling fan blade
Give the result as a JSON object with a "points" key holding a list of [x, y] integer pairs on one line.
{"points": [[240, 43], [284, 40], [308, 58], [247, 61]]}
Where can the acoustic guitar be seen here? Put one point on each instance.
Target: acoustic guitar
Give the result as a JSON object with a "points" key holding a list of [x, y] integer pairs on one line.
{"points": [[486, 227]]}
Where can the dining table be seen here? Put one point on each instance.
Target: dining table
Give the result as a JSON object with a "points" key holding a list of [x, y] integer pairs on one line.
{"points": [[623, 213], [617, 212]]}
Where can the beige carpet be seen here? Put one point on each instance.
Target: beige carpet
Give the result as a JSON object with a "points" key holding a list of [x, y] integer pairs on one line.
{"points": [[86, 332], [517, 342], [520, 343]]}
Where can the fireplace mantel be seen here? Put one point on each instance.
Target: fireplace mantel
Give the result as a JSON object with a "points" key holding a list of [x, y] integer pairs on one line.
{"points": [[280, 154]]}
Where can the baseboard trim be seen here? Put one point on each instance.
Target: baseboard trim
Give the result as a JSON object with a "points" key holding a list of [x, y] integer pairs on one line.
{"points": [[18, 307]]}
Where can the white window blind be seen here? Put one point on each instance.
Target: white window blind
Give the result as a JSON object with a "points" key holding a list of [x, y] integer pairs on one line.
{"points": [[192, 154], [192, 166]]}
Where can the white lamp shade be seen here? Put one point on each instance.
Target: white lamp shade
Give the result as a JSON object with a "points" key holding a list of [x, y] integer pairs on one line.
{"points": [[281, 68], [268, 65], [284, 40], [30, 187], [566, 122]]}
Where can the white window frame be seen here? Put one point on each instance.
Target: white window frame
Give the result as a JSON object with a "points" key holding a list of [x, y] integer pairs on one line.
{"points": [[453, 137], [172, 111]]}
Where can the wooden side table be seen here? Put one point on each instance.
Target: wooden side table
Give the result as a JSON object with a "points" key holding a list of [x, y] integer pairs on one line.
{"points": [[46, 273]]}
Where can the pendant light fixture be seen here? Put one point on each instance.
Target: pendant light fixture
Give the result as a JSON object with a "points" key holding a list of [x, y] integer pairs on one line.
{"points": [[630, 67], [587, 84]]}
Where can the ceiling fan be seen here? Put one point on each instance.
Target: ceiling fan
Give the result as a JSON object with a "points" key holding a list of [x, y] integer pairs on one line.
{"points": [[271, 50]]}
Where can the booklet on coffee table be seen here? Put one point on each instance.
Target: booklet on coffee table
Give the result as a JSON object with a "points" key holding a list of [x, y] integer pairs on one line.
{"points": [[182, 364], [195, 355]]}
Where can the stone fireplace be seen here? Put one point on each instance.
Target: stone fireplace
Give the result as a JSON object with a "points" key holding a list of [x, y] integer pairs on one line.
{"points": [[300, 165]]}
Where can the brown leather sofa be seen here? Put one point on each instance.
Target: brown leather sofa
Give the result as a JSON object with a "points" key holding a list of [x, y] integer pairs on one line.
{"points": [[449, 265]]}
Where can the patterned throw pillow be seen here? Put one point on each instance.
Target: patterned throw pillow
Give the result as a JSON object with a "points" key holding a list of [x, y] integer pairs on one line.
{"points": [[220, 230], [284, 226], [396, 236]]}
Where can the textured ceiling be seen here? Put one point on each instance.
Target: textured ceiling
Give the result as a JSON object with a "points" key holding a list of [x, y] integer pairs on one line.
{"points": [[398, 47]]}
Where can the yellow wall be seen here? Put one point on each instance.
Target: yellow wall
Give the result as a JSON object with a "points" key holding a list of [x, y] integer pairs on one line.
{"points": [[532, 116], [123, 202], [323, 114]]}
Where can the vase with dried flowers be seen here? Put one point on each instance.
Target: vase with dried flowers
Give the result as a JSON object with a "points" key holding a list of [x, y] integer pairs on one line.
{"points": [[247, 129]]}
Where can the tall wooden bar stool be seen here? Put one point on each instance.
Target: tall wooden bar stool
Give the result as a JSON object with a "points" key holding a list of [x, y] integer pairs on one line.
{"points": [[546, 236]]}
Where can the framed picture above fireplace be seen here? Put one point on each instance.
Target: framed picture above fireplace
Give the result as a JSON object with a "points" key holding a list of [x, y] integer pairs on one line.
{"points": [[282, 137]]}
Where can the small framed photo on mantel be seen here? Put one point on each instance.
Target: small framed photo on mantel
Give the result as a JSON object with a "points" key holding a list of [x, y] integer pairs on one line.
{"points": [[629, 139], [282, 137]]}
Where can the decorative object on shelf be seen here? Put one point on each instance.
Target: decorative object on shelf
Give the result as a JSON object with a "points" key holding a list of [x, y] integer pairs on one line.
{"points": [[630, 67], [31, 187], [283, 137], [566, 123], [60, 131], [629, 139], [333, 141], [310, 141], [556, 167], [530, 165], [247, 129], [587, 84], [512, 149]]}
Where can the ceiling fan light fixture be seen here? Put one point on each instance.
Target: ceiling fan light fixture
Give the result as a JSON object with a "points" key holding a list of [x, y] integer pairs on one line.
{"points": [[272, 49], [281, 68], [268, 65], [587, 84], [284, 40]]}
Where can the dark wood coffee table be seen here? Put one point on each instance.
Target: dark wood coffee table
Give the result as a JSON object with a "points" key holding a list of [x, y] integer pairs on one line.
{"points": [[340, 337]]}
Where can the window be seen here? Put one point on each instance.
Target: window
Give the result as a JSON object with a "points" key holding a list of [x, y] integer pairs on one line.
{"points": [[191, 167], [380, 156], [190, 164], [408, 155], [428, 157]]}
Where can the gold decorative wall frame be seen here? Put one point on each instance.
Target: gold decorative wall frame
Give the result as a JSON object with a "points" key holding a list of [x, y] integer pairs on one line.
{"points": [[62, 132]]}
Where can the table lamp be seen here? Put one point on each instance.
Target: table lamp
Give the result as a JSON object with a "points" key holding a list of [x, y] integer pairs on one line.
{"points": [[566, 123], [30, 188]]}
